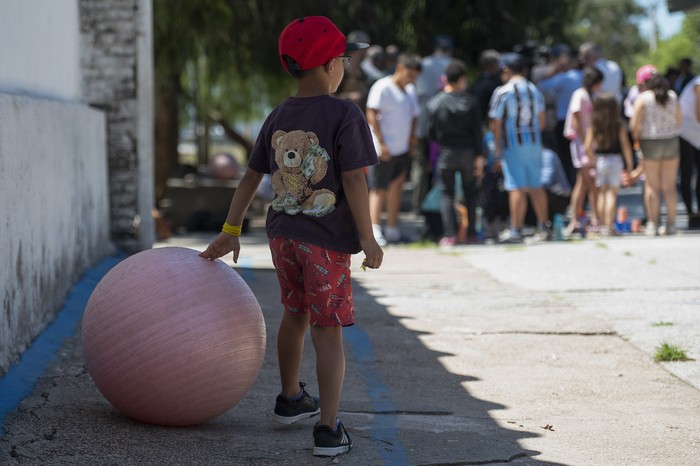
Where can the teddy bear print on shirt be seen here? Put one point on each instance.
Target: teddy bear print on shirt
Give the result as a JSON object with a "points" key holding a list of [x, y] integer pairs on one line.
{"points": [[302, 164]]}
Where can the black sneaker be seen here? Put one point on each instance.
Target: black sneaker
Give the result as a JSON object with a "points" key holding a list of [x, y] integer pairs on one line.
{"points": [[289, 412], [328, 442]]}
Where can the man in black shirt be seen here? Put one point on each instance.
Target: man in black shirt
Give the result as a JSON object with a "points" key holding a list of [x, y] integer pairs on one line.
{"points": [[453, 121], [487, 82]]}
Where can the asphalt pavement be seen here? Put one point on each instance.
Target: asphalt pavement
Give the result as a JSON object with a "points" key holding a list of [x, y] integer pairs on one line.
{"points": [[541, 354]]}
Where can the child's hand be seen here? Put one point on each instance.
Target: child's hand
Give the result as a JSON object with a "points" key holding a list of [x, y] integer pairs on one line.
{"points": [[373, 254], [221, 245], [626, 179]]}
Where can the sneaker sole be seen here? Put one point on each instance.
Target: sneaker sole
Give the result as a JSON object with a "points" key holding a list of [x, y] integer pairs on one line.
{"points": [[292, 419], [331, 451]]}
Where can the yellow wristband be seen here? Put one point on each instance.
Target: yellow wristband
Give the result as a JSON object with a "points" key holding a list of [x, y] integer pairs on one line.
{"points": [[231, 229]]}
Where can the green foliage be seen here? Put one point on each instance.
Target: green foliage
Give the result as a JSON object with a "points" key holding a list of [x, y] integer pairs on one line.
{"points": [[224, 52], [684, 44], [667, 352], [611, 24]]}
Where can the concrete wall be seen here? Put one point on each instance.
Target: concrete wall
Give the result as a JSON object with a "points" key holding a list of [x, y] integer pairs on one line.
{"points": [[117, 68], [76, 150], [54, 210]]}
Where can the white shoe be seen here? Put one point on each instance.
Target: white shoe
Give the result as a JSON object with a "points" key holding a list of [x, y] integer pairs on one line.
{"points": [[650, 229], [378, 236]]}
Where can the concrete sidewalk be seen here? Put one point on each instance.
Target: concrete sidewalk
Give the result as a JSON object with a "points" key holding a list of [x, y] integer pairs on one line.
{"points": [[535, 354]]}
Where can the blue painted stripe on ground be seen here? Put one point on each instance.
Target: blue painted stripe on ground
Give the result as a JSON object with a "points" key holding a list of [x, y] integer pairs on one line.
{"points": [[384, 428], [20, 379], [245, 269]]}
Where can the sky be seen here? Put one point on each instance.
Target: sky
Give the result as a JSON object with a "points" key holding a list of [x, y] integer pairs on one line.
{"points": [[669, 23]]}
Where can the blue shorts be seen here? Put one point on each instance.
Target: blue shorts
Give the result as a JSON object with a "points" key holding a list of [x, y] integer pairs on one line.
{"points": [[522, 167]]}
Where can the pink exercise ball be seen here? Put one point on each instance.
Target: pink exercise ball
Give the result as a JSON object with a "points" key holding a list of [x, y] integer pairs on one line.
{"points": [[224, 167], [172, 339]]}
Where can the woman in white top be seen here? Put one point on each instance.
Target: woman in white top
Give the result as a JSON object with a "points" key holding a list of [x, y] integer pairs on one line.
{"points": [[655, 125]]}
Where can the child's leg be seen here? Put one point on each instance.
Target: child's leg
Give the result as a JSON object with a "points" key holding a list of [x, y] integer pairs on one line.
{"points": [[610, 195], [290, 346], [589, 187], [601, 205], [330, 370], [576, 201]]}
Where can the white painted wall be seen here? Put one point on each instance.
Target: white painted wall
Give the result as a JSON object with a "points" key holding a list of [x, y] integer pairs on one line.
{"points": [[54, 210], [61, 61], [39, 48]]}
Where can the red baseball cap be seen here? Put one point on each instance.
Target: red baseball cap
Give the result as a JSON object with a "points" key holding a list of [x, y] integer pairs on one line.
{"points": [[312, 41]]}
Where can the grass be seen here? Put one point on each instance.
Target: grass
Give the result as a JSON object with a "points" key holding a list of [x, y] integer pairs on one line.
{"points": [[662, 324], [421, 245], [667, 352]]}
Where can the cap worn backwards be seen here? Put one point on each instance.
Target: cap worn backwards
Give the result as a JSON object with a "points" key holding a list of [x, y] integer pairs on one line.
{"points": [[511, 60], [312, 41]]}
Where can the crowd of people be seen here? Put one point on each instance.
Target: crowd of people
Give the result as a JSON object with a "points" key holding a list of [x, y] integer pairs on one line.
{"points": [[541, 133]]}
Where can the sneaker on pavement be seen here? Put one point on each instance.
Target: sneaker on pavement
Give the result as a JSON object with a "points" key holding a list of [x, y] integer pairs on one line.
{"points": [[667, 230], [650, 229], [447, 241], [543, 233], [289, 412], [510, 236], [329, 442], [378, 236]]}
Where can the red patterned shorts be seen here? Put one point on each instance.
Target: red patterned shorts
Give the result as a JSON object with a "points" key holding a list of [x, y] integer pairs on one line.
{"points": [[314, 280]]}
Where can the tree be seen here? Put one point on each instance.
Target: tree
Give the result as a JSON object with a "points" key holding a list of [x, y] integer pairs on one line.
{"points": [[216, 60], [612, 25], [685, 44]]}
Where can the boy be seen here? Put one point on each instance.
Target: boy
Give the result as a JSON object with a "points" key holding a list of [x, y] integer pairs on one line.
{"points": [[316, 148]]}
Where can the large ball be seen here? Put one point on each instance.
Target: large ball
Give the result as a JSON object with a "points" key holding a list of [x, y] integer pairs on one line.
{"points": [[172, 339], [224, 167]]}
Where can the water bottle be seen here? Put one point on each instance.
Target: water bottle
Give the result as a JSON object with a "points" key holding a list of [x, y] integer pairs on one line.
{"points": [[479, 225], [558, 228]]}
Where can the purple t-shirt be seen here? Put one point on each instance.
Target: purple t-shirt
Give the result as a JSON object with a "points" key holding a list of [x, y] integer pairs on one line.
{"points": [[306, 144]]}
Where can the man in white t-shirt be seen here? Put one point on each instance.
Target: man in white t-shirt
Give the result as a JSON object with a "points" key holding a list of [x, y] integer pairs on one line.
{"points": [[591, 54], [690, 149], [392, 112]]}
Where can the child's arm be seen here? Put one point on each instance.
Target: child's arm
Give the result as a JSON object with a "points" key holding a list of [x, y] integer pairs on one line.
{"points": [[588, 144], [577, 125], [224, 243], [627, 155], [626, 148], [356, 192]]}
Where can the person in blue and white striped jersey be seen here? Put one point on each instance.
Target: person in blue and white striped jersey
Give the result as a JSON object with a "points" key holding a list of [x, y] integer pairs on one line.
{"points": [[517, 118]]}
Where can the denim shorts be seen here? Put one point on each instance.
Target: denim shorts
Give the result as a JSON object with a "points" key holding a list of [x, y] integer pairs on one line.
{"points": [[315, 280], [608, 170], [522, 167]]}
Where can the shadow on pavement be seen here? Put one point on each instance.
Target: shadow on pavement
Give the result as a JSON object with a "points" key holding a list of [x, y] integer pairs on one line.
{"points": [[400, 404]]}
